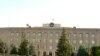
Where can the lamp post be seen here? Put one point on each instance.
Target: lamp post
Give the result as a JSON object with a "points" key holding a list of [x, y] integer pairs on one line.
{"points": [[28, 36]]}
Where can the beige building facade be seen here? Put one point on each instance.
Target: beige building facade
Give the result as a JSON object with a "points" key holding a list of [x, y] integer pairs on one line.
{"points": [[45, 39]]}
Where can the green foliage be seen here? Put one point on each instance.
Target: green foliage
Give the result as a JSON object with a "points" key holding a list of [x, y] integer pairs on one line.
{"points": [[13, 50], [63, 48], [23, 49], [32, 50], [96, 51], [82, 51], [3, 46]]}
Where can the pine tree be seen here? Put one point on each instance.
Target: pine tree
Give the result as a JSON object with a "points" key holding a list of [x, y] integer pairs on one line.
{"points": [[63, 47], [14, 50], [96, 51], [23, 49], [3, 47], [32, 50], [82, 51]]}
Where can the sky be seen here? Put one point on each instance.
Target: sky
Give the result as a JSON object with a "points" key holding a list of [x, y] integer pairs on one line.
{"points": [[68, 13]]}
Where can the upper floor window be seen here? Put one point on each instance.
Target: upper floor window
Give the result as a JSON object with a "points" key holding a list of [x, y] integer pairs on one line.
{"points": [[93, 35], [28, 34], [17, 34], [12, 34], [93, 42], [56, 40], [80, 35], [57, 34], [51, 34], [50, 40], [81, 42], [74, 34], [39, 34], [87, 35], [50, 47], [74, 41], [38, 40], [44, 40], [86, 41], [45, 33], [34, 34], [33, 40]]}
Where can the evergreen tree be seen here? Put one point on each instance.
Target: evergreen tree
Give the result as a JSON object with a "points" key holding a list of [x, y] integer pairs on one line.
{"points": [[82, 51], [23, 49], [96, 51], [3, 47], [14, 50], [63, 47], [32, 50]]}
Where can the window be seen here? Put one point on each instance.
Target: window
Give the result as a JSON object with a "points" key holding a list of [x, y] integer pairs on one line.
{"points": [[74, 34], [50, 47], [50, 40], [86, 41], [75, 48], [93, 42], [51, 34], [33, 40], [11, 39], [74, 41], [50, 53], [12, 34], [45, 34], [44, 40], [38, 40], [93, 35], [87, 35], [17, 34], [57, 34], [81, 42], [39, 34], [34, 34], [44, 46], [80, 35], [56, 40], [17, 39], [28, 34]]}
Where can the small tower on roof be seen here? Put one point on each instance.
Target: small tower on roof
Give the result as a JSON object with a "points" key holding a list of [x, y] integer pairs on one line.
{"points": [[51, 24]]}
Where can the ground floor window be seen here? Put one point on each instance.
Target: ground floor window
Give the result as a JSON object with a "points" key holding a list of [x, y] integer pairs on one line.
{"points": [[44, 53]]}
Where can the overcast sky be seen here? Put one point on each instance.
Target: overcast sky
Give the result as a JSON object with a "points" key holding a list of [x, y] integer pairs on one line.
{"points": [[69, 13]]}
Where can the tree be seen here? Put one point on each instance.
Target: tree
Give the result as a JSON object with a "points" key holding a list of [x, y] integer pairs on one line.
{"points": [[96, 51], [32, 50], [23, 49], [14, 50], [3, 47], [63, 47], [82, 51]]}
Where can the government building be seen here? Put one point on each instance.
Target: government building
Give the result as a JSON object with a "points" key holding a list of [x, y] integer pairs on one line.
{"points": [[45, 38]]}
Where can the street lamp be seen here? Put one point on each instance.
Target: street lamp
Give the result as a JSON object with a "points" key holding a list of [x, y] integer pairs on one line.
{"points": [[28, 25], [28, 36]]}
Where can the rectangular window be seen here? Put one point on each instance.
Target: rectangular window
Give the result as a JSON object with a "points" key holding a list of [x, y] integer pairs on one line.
{"points": [[80, 35], [74, 34], [87, 35], [93, 35]]}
